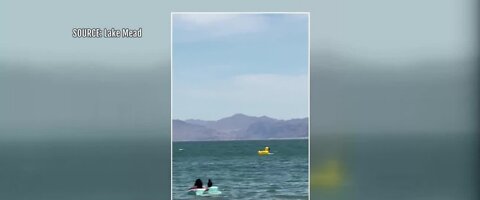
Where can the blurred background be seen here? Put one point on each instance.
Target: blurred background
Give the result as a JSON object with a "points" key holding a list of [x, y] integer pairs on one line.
{"points": [[394, 105]]}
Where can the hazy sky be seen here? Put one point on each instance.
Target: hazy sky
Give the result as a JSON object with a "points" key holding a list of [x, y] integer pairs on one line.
{"points": [[376, 66], [256, 64]]}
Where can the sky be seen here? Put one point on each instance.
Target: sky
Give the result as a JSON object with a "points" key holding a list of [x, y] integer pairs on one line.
{"points": [[255, 64], [376, 66]]}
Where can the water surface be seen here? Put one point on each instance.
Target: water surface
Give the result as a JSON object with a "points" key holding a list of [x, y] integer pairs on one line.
{"points": [[238, 171]]}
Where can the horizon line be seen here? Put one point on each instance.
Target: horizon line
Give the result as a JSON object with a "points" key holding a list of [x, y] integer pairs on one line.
{"points": [[185, 119]]}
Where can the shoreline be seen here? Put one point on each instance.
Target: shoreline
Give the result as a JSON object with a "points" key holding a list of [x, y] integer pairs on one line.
{"points": [[269, 139]]}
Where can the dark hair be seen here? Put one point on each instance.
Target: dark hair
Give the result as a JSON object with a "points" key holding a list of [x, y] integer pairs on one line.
{"points": [[198, 183], [209, 184]]}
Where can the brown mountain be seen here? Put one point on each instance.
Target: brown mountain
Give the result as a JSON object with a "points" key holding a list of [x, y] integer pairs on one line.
{"points": [[239, 126]]}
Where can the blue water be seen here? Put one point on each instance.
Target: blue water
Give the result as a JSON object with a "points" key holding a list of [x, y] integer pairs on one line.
{"points": [[238, 171], [59, 169], [375, 167], [397, 167]]}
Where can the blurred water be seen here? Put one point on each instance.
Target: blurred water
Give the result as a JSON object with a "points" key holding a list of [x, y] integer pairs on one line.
{"points": [[238, 171], [109, 168], [401, 166]]}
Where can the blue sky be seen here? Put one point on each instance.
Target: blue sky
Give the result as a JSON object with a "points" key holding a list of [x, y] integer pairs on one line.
{"points": [[256, 64]]}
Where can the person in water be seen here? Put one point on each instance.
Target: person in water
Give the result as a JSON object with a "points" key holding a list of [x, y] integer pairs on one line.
{"points": [[209, 184], [198, 184]]}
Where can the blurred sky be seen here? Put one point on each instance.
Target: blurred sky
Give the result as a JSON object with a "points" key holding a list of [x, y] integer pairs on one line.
{"points": [[375, 29], [256, 64], [376, 66]]}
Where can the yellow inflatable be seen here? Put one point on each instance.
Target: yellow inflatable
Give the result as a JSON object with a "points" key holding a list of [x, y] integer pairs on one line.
{"points": [[266, 151], [330, 175]]}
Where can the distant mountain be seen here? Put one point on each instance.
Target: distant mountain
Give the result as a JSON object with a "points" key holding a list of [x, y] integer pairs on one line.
{"points": [[239, 126], [183, 131]]}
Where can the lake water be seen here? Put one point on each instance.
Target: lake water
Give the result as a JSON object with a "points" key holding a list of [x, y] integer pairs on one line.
{"points": [[395, 167], [83, 169], [371, 167], [239, 172]]}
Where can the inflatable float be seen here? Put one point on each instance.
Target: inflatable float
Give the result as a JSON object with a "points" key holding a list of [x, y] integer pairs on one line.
{"points": [[266, 151], [204, 191]]}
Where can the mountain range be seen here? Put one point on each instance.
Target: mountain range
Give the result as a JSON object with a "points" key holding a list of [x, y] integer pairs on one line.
{"points": [[239, 127]]}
